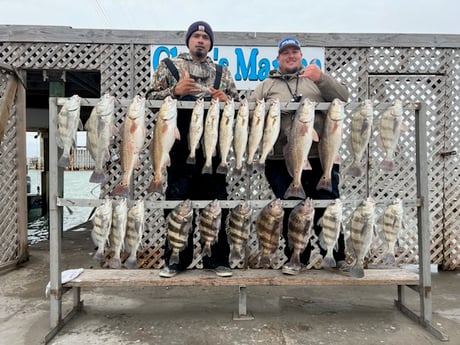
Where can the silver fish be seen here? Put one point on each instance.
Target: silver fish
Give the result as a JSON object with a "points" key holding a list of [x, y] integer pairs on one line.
{"points": [[392, 225], [331, 223], [134, 231], [102, 223], [269, 224], [256, 131], [132, 140], [300, 225], [361, 129], [300, 138], [239, 229], [100, 130], [118, 231], [330, 141], [226, 134], [361, 234], [196, 129], [211, 133], [165, 134], [390, 129], [271, 131], [179, 222], [210, 221], [241, 132], [67, 126]]}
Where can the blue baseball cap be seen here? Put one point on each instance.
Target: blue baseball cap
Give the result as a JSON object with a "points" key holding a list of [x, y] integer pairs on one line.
{"points": [[288, 42]]}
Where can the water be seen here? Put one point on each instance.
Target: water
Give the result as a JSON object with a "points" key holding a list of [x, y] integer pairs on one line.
{"points": [[76, 186]]}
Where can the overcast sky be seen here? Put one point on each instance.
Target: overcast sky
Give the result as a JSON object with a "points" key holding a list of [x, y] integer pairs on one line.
{"points": [[353, 16]]}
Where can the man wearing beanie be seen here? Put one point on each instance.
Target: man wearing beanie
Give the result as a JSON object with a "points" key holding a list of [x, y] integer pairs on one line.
{"points": [[188, 77]]}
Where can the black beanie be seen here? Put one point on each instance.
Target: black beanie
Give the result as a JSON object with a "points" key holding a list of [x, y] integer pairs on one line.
{"points": [[200, 26]]}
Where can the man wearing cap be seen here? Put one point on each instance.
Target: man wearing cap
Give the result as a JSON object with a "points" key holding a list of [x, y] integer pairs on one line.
{"points": [[190, 76], [292, 82]]}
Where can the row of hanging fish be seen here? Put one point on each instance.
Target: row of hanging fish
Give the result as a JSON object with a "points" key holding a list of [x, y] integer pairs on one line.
{"points": [[119, 228]]}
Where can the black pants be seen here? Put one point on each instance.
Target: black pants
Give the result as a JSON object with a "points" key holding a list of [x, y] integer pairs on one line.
{"points": [[185, 181], [279, 179]]}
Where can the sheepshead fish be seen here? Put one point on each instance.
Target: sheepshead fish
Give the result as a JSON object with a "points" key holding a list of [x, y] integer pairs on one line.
{"points": [[67, 126], [300, 138], [102, 223], [331, 223], [300, 225], [392, 225], [132, 140], [100, 130], [330, 142], [271, 131], [362, 228], [179, 222], [210, 221], [134, 231], [390, 129], [118, 231], [196, 129], [256, 131], [269, 224], [361, 129], [240, 139], [239, 229], [165, 134], [226, 135], [211, 133]]}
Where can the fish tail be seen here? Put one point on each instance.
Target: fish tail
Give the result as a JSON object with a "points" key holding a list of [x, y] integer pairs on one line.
{"points": [[207, 169], [156, 187], [207, 249], [191, 160], [131, 263], [238, 171], [328, 261], [64, 161], [115, 263], [260, 167], [174, 259], [235, 255], [295, 260], [99, 257], [120, 190], [295, 191], [389, 258], [264, 261], [387, 164], [250, 166], [357, 271], [324, 183], [354, 170], [97, 177], [222, 169]]}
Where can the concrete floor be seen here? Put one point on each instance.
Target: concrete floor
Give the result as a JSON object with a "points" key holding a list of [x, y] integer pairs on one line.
{"points": [[198, 315]]}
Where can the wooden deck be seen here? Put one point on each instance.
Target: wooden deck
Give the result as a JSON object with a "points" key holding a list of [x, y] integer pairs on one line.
{"points": [[241, 277]]}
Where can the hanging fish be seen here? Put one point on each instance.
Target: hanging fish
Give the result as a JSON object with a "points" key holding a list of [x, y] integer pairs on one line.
{"points": [[211, 133], [102, 223], [134, 231], [210, 221], [331, 223], [256, 131], [390, 129], [196, 129], [179, 222], [392, 225], [226, 135], [241, 135], [118, 231], [271, 132], [239, 229]]}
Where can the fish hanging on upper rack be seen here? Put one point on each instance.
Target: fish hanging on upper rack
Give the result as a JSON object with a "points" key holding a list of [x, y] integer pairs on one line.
{"points": [[68, 123], [256, 132], [211, 134], [390, 124], [226, 135], [241, 135], [196, 129], [272, 129]]}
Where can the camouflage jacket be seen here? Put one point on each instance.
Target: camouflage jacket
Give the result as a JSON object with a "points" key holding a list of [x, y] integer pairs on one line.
{"points": [[204, 73]]}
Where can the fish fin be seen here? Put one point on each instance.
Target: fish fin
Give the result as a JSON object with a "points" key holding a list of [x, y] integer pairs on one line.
{"points": [[176, 133], [237, 171], [337, 159], [99, 257], [357, 271], [156, 186], [191, 160], [97, 177], [120, 190], [324, 183], [387, 165], [207, 169], [389, 258], [328, 261], [315, 136], [64, 161], [222, 169], [131, 263], [307, 165], [174, 259], [115, 263], [354, 170], [264, 261], [294, 191], [80, 125], [260, 167], [207, 249]]}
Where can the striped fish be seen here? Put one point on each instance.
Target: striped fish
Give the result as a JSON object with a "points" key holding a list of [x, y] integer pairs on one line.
{"points": [[118, 231], [239, 229], [210, 221], [331, 223], [362, 227], [390, 128], [134, 232], [68, 123], [392, 225], [300, 225], [269, 224], [179, 222], [102, 223]]}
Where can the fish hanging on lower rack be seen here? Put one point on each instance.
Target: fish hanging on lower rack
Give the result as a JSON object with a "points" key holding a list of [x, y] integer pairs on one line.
{"points": [[240, 136], [238, 230], [118, 231], [360, 133], [102, 223], [210, 222], [68, 123], [134, 231], [179, 223], [331, 223], [389, 131], [269, 224], [226, 135], [361, 234], [300, 225], [392, 225]]}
